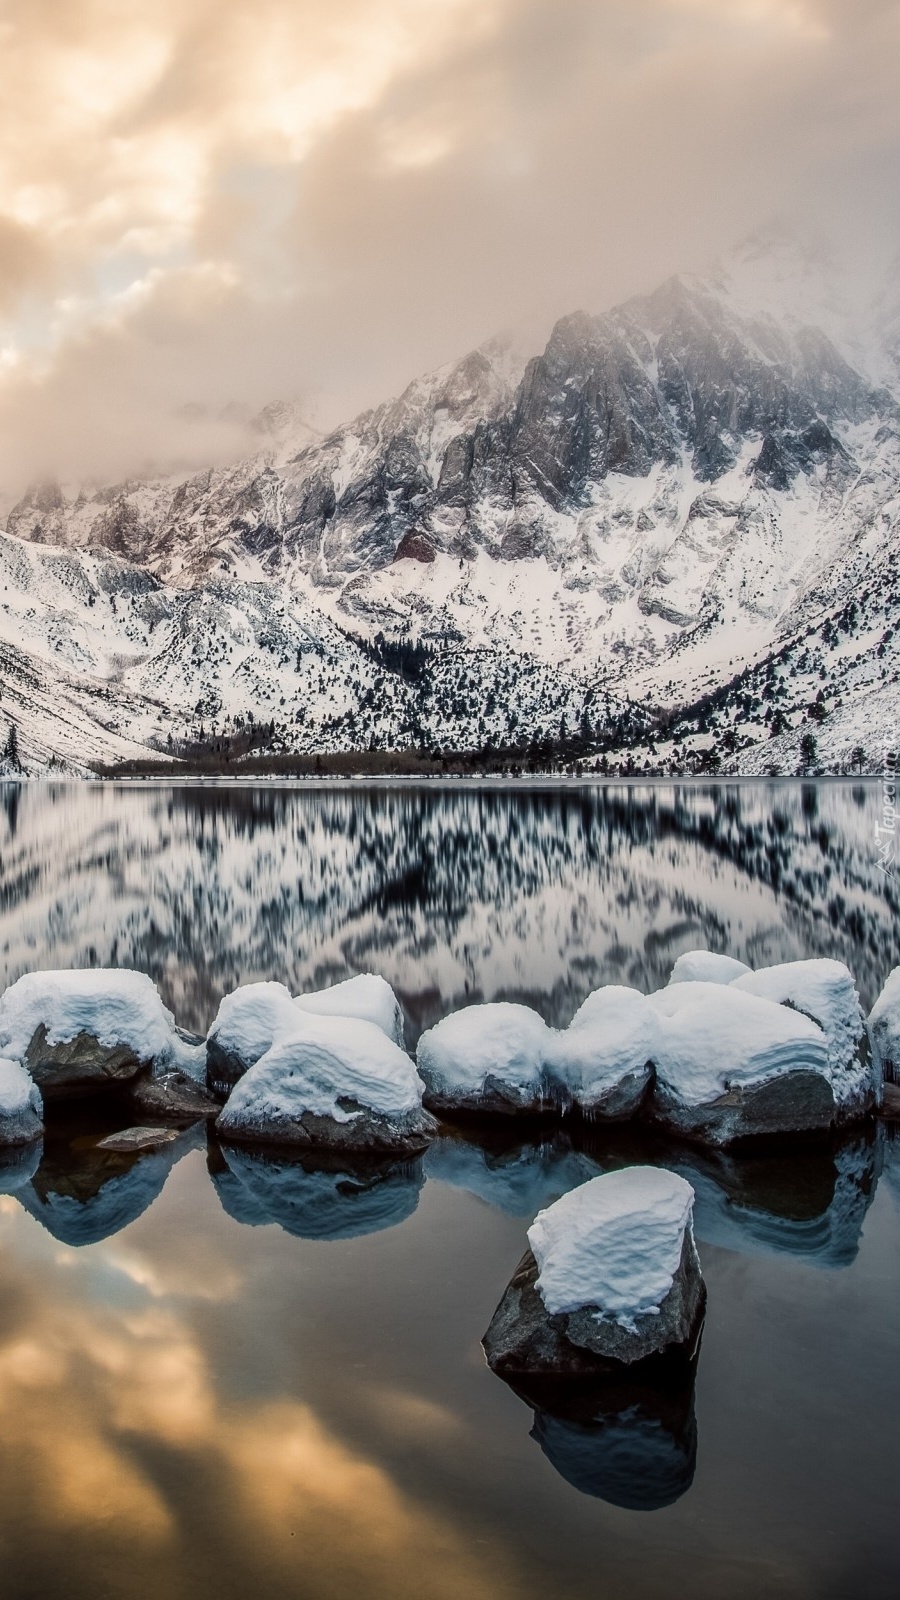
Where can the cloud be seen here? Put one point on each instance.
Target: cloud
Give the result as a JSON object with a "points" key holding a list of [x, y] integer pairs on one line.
{"points": [[206, 202]]}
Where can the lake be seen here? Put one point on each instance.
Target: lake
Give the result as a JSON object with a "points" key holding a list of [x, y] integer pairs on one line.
{"points": [[221, 1373]]}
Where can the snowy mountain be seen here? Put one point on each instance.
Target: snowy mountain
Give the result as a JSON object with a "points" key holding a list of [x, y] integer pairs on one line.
{"points": [[673, 530]]}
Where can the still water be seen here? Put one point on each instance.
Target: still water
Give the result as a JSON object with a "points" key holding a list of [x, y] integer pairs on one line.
{"points": [[222, 1375]]}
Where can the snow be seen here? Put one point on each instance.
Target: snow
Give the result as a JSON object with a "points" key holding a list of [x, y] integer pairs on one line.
{"points": [[704, 966], [884, 1030], [614, 1033], [116, 1006], [366, 996], [715, 1037], [319, 1067], [249, 1019], [825, 991], [615, 1243], [499, 1040], [21, 1107]]}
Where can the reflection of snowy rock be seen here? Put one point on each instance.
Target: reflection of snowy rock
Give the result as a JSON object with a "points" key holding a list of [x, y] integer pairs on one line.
{"points": [[603, 1061], [18, 1165], [611, 1277], [825, 992], [519, 1180], [82, 1195], [489, 1058], [341, 1201], [632, 1445], [250, 1020], [21, 1107], [86, 1030], [889, 1141], [884, 1031], [704, 966], [732, 1065], [811, 1205], [333, 1082]]}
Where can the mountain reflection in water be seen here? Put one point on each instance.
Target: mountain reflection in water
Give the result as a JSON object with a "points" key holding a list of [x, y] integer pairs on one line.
{"points": [[452, 893]]}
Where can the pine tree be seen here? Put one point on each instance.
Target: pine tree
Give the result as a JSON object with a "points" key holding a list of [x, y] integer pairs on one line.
{"points": [[11, 753]]}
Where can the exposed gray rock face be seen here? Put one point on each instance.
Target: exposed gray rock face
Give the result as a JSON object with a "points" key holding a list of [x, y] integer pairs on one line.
{"points": [[796, 1102], [173, 1097], [365, 1132], [80, 1065], [524, 1340], [136, 1139]]}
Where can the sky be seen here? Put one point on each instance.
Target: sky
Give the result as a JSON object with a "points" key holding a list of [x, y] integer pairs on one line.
{"points": [[213, 204]]}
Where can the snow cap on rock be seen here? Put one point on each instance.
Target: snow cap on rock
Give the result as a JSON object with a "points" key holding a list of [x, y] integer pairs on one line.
{"points": [[714, 1037], [705, 966], [366, 996], [615, 1243], [113, 1005]]}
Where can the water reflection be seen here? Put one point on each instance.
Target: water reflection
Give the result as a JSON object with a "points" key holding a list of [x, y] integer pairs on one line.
{"points": [[18, 1165], [82, 1194], [629, 1443], [312, 1200], [450, 893], [810, 1202]]}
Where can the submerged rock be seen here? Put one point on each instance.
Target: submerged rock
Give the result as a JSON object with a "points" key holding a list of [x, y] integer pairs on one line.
{"points": [[340, 1199], [611, 1279], [21, 1107], [132, 1139], [333, 1083]]}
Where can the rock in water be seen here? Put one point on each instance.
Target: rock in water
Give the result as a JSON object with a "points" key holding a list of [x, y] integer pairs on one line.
{"points": [[173, 1097], [611, 1279], [825, 992], [487, 1059], [884, 1032], [603, 1061], [704, 966], [250, 1020], [135, 1139], [81, 1031], [21, 1107], [335, 1083], [733, 1066]]}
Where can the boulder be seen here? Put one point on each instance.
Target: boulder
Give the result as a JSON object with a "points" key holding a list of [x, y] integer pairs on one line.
{"points": [[603, 1062], [488, 1059], [83, 1031], [250, 1020], [733, 1066], [884, 1032], [173, 1097], [825, 992], [704, 966], [21, 1107], [611, 1280], [333, 1083]]}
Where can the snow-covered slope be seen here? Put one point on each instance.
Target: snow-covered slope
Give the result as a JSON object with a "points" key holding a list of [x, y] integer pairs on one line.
{"points": [[697, 489]]}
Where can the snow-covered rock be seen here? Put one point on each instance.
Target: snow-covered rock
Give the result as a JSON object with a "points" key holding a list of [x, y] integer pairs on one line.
{"points": [[249, 1021], [333, 1082], [611, 1277], [704, 966], [21, 1107], [825, 991], [884, 1031], [487, 1058], [87, 1029], [366, 996], [244, 1028], [342, 1200], [603, 1061], [732, 1065]]}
